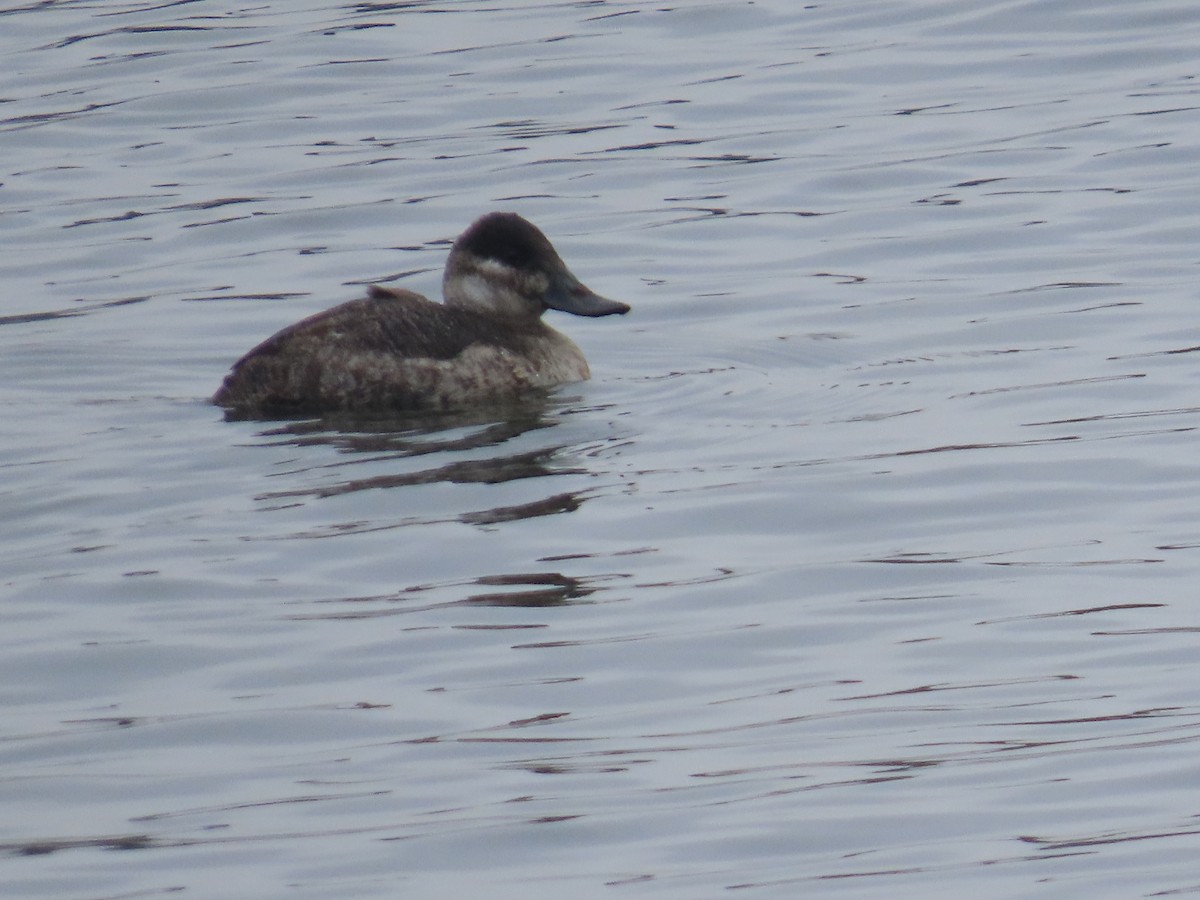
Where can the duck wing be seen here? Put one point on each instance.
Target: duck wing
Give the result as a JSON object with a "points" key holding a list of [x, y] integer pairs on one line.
{"points": [[388, 349], [398, 322]]}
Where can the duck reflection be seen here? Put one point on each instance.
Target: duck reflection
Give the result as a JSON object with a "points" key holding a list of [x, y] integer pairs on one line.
{"points": [[374, 441], [530, 590], [413, 434], [493, 470], [541, 589]]}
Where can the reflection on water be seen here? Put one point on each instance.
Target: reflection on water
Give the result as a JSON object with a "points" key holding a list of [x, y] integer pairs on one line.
{"points": [[412, 434], [541, 589], [81, 310], [361, 440], [369, 439]]}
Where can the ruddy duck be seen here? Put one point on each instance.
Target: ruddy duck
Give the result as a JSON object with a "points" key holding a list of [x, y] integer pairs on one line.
{"points": [[396, 350]]}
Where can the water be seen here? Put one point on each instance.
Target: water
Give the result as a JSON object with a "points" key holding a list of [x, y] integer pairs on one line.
{"points": [[864, 566]]}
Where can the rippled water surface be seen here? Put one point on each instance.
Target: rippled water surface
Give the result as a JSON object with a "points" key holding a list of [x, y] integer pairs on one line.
{"points": [[865, 565]]}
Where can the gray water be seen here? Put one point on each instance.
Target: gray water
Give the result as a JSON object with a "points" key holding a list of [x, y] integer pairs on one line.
{"points": [[865, 565]]}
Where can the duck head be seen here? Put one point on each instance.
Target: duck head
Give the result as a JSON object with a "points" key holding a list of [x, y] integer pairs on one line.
{"points": [[504, 266]]}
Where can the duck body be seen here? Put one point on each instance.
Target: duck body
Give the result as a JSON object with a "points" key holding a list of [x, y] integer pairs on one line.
{"points": [[395, 350]]}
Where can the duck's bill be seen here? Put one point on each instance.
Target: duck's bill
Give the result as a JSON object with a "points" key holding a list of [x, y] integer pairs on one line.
{"points": [[569, 295]]}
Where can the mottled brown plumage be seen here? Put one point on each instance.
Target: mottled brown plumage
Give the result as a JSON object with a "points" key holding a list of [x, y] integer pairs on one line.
{"points": [[395, 350]]}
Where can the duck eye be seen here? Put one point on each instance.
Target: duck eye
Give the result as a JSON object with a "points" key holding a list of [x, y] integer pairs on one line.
{"points": [[516, 257]]}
